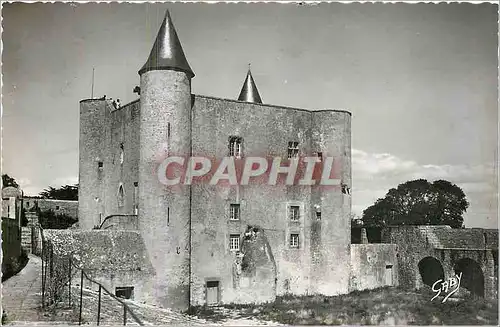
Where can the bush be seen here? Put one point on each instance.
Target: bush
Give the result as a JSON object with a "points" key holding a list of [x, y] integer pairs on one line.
{"points": [[50, 220]]}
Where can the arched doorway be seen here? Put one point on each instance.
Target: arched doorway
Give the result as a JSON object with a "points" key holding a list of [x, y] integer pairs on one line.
{"points": [[472, 276], [430, 270]]}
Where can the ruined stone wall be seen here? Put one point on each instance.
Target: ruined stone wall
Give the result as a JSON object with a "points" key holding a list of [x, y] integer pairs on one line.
{"points": [[373, 265], [102, 131], [266, 131], [412, 247]]}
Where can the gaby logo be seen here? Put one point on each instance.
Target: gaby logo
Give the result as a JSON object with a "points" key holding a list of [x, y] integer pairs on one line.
{"points": [[175, 170], [449, 287]]}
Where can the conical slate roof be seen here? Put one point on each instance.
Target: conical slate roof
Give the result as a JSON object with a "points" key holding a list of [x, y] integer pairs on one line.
{"points": [[249, 92], [167, 51]]}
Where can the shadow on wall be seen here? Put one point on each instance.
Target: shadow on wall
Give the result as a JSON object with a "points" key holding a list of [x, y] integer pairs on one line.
{"points": [[430, 270], [472, 276], [254, 272]]}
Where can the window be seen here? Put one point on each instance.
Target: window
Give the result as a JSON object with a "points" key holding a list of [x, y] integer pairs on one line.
{"points": [[320, 156], [57, 207], [294, 240], [124, 292], [27, 204], [234, 212], [100, 164], [318, 215], [293, 149], [168, 130], [136, 194], [235, 146], [11, 209], [234, 242], [121, 196], [294, 213], [122, 154]]}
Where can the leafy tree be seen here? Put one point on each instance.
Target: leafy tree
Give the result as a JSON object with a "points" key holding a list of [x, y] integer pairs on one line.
{"points": [[66, 192], [8, 181], [419, 202]]}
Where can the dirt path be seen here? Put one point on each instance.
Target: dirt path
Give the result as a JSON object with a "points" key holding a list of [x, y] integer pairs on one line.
{"points": [[21, 294]]}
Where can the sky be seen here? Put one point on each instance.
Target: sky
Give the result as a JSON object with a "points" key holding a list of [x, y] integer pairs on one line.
{"points": [[419, 79]]}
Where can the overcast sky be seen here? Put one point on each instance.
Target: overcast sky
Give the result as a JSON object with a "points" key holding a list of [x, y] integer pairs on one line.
{"points": [[419, 79]]}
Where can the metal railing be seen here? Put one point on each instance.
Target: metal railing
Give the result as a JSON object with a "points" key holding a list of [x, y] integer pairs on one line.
{"points": [[57, 274], [113, 216]]}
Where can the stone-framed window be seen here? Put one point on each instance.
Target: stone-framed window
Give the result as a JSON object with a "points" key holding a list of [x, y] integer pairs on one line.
{"points": [[293, 149], [235, 146], [234, 242], [294, 240], [234, 211], [294, 212], [318, 215], [100, 164]]}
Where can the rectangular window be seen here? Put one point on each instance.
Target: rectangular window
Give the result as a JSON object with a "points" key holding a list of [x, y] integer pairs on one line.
{"points": [[234, 212], [11, 209], [136, 194], [320, 156], [234, 242], [294, 213], [57, 207], [235, 143], [294, 240], [293, 150], [318, 215], [124, 292], [100, 164]]}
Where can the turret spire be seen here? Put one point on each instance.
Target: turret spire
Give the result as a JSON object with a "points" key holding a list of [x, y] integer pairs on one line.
{"points": [[249, 92], [167, 51]]}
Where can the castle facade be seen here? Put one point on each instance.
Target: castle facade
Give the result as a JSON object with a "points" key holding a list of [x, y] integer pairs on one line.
{"points": [[211, 244]]}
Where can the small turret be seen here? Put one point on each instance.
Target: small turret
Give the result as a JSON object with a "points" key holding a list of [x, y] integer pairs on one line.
{"points": [[249, 92], [167, 51]]}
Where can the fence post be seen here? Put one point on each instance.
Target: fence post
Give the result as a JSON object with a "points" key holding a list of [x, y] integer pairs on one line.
{"points": [[99, 307], [51, 276], [43, 284], [124, 315], [69, 288], [81, 299]]}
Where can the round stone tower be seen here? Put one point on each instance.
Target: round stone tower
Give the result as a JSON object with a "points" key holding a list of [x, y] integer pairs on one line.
{"points": [[165, 129]]}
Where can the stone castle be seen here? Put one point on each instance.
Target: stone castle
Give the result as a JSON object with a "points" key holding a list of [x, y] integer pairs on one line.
{"points": [[203, 244], [210, 243]]}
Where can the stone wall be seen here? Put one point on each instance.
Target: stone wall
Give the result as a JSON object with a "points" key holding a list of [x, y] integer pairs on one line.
{"points": [[11, 243], [112, 258], [447, 249], [109, 155], [60, 207], [266, 131], [373, 265]]}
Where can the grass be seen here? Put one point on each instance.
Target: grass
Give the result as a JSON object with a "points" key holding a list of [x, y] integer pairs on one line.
{"points": [[390, 306]]}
